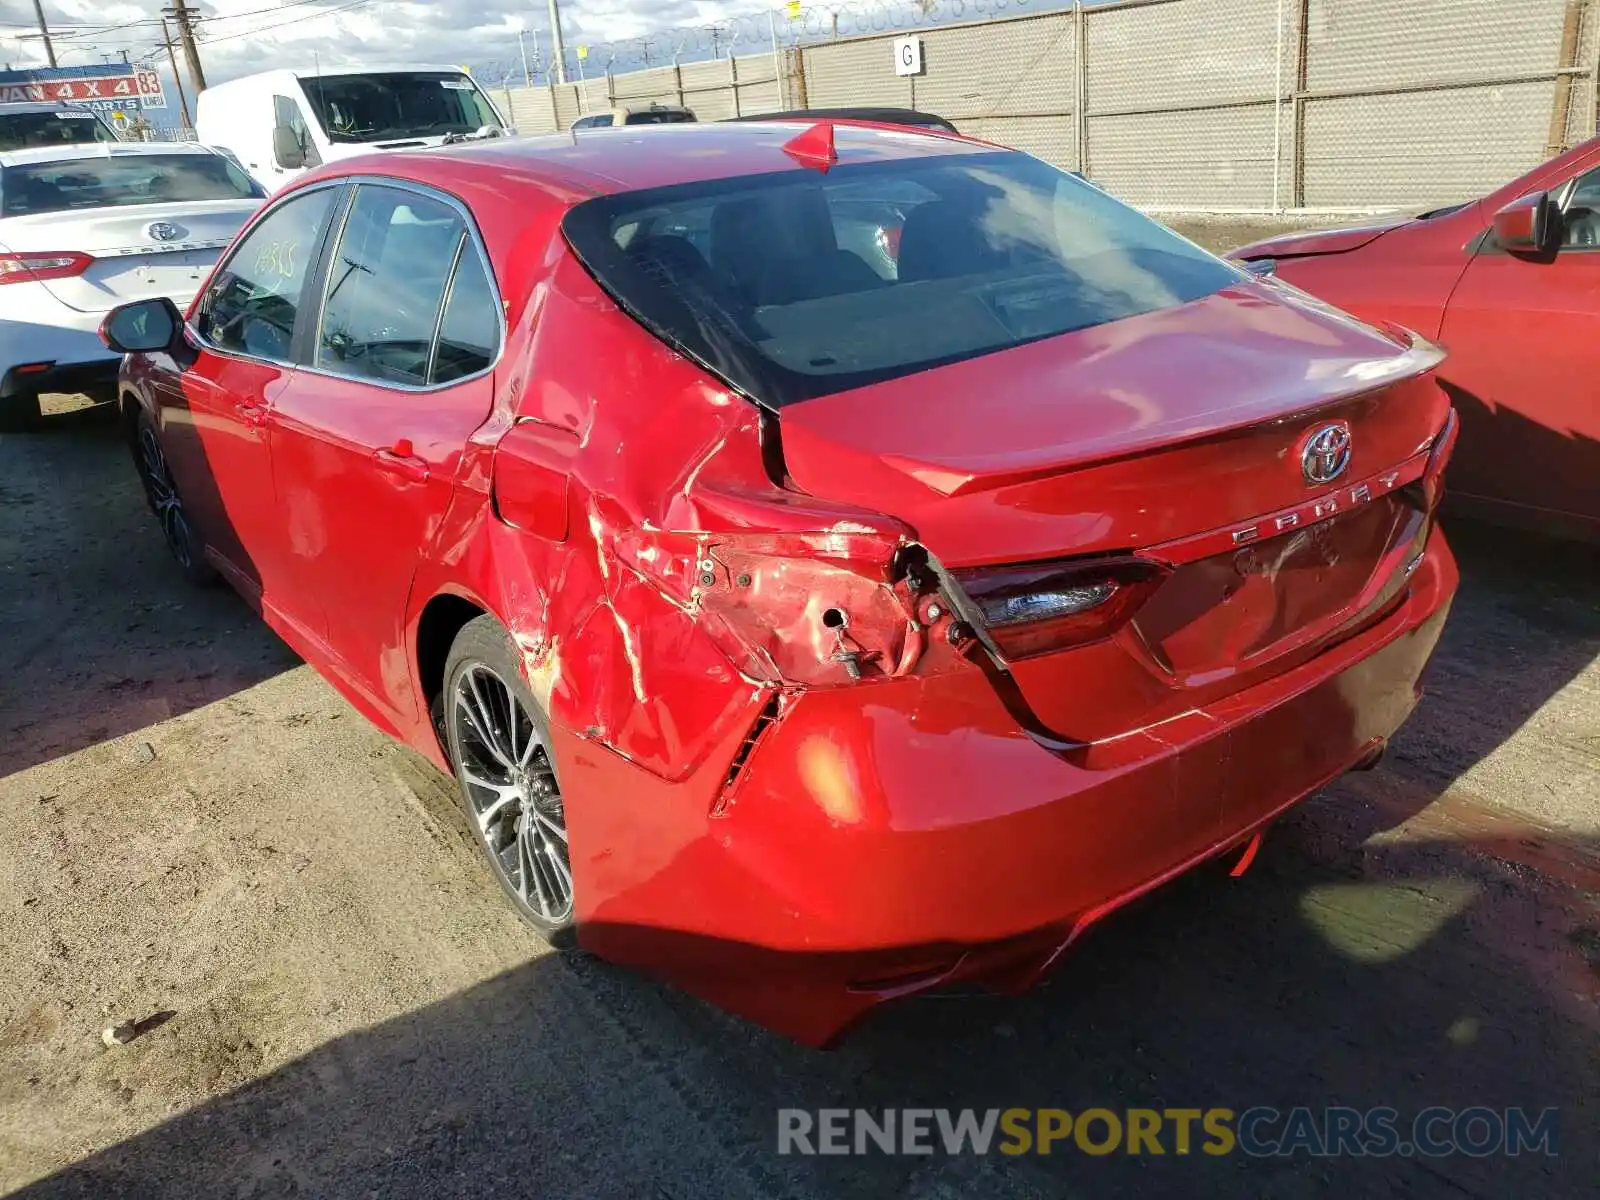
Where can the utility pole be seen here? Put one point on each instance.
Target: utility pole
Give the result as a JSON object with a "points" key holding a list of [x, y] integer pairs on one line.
{"points": [[44, 30], [183, 17], [558, 49], [183, 100], [522, 44]]}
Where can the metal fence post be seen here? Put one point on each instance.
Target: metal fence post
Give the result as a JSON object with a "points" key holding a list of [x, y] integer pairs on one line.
{"points": [[1080, 87], [1297, 144], [779, 83], [1277, 116]]}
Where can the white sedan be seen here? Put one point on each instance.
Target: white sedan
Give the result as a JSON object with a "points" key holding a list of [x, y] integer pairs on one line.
{"points": [[84, 228]]}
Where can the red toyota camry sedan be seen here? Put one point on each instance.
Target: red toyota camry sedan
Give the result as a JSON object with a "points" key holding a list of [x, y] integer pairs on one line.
{"points": [[1510, 285], [807, 626]]}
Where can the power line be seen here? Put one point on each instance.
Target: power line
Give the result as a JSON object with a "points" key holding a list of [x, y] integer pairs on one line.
{"points": [[294, 21]]}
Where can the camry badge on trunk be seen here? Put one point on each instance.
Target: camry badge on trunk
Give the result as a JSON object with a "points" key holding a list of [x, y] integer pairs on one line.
{"points": [[163, 231], [1326, 454]]}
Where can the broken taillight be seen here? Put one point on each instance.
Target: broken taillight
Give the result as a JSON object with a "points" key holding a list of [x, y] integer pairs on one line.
{"points": [[1042, 607], [1443, 447], [812, 609]]}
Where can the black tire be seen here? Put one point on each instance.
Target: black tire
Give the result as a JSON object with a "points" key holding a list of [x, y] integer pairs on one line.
{"points": [[161, 493], [498, 741], [20, 413]]}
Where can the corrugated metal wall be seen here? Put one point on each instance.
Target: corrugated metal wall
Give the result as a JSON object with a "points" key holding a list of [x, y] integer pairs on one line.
{"points": [[1205, 104]]}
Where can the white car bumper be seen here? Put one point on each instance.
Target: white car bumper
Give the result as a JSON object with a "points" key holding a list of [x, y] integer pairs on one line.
{"points": [[46, 346]]}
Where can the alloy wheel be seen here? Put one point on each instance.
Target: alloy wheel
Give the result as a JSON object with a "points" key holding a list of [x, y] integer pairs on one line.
{"points": [[164, 498], [512, 793]]}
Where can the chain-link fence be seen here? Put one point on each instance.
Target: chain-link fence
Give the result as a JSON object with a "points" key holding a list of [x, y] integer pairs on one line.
{"points": [[1213, 105]]}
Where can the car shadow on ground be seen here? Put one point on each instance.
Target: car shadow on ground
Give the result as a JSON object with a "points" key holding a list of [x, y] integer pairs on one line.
{"points": [[1409, 976], [99, 634]]}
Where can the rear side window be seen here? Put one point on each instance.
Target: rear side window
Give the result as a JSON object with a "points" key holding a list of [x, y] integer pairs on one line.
{"points": [[800, 284], [121, 181], [386, 286], [255, 298], [469, 334]]}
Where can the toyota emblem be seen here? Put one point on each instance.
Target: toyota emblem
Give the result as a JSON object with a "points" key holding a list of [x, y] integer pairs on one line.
{"points": [[163, 231], [1326, 454]]}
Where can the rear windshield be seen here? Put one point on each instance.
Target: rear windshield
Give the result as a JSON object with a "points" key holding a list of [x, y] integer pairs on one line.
{"points": [[799, 284], [661, 116], [119, 181], [19, 131]]}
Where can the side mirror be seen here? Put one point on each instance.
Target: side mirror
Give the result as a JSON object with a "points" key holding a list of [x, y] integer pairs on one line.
{"points": [[287, 151], [1527, 226], [143, 326]]}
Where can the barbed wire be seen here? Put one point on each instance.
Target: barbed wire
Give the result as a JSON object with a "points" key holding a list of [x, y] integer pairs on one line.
{"points": [[753, 32]]}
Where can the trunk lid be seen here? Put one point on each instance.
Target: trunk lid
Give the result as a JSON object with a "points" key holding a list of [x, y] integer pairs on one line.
{"points": [[1177, 436], [139, 251]]}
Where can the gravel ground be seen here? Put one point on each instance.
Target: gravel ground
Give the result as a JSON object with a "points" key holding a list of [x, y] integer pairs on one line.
{"points": [[193, 824]]}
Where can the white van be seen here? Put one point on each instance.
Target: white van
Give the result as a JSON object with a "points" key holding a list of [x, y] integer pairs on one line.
{"points": [[276, 124]]}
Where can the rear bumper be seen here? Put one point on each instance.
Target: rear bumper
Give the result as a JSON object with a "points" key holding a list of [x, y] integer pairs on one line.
{"points": [[888, 840]]}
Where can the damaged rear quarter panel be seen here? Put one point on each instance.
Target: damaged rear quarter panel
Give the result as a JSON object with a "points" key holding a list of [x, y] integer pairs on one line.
{"points": [[617, 638]]}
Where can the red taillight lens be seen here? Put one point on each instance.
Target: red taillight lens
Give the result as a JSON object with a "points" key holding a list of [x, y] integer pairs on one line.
{"points": [[36, 266], [1042, 607]]}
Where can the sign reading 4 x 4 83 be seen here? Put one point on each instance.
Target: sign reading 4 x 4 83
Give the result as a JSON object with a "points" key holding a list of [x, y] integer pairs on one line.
{"points": [[134, 89]]}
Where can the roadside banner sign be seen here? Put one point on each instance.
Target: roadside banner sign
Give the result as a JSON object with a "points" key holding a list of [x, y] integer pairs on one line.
{"points": [[110, 87]]}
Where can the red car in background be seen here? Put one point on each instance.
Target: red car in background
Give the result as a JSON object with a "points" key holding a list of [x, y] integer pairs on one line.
{"points": [[1510, 285], [807, 629]]}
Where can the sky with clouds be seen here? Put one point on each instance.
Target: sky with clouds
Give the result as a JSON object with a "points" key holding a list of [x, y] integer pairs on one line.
{"points": [[240, 36]]}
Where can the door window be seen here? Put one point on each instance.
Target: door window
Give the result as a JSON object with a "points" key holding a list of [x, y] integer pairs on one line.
{"points": [[255, 298], [287, 113], [386, 288], [1580, 217]]}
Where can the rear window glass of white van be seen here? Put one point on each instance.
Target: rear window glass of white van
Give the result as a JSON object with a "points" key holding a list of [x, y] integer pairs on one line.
{"points": [[120, 181], [801, 283]]}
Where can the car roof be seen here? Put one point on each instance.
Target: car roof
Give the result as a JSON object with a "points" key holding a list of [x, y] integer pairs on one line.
{"points": [[279, 74], [887, 116], [633, 157], [74, 151], [43, 106]]}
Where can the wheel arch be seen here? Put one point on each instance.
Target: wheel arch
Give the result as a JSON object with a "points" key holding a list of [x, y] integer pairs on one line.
{"points": [[441, 619]]}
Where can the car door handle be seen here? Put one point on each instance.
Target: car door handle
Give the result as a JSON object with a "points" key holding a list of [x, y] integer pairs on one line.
{"points": [[401, 462], [253, 415]]}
